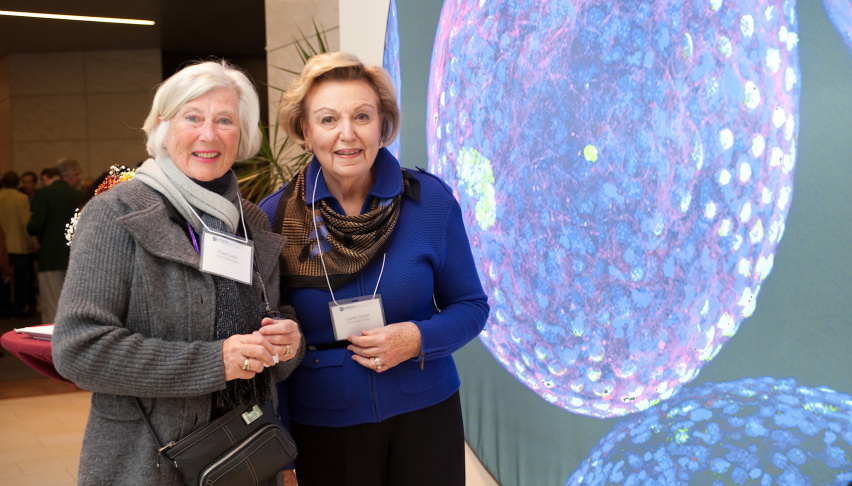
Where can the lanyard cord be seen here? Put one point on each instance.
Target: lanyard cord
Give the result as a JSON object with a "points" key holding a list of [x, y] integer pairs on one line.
{"points": [[380, 274], [242, 219], [254, 263], [319, 246], [194, 240]]}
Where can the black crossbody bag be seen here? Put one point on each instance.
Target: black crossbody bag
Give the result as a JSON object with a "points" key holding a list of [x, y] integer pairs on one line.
{"points": [[246, 446]]}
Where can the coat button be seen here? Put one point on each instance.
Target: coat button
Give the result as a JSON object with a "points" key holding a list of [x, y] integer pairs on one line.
{"points": [[316, 361]]}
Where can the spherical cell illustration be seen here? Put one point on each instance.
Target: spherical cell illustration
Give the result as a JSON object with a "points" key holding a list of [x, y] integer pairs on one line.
{"points": [[752, 431], [390, 62], [625, 170], [840, 14]]}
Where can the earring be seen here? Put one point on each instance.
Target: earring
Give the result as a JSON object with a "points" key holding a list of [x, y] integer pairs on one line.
{"points": [[308, 150], [381, 143]]}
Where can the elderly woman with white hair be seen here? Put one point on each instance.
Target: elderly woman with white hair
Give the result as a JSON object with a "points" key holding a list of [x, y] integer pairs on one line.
{"points": [[153, 310]]}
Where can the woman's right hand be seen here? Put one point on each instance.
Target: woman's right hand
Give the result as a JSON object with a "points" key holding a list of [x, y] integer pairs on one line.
{"points": [[240, 350]]}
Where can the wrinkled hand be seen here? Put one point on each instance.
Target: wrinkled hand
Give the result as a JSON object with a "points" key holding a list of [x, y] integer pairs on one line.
{"points": [[241, 349], [390, 345], [284, 335]]}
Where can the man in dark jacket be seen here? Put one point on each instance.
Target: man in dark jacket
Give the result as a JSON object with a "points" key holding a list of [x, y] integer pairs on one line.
{"points": [[53, 208]]}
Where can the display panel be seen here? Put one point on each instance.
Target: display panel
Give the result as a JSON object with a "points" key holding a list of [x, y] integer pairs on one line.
{"points": [[625, 170]]}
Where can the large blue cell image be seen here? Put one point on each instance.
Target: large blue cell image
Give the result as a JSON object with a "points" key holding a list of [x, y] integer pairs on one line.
{"points": [[625, 170], [752, 431]]}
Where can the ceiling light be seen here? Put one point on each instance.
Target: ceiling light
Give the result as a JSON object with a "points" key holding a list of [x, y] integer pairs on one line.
{"points": [[76, 17]]}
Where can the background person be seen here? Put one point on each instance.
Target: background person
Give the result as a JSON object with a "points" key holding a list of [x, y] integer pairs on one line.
{"points": [[379, 407], [29, 180], [14, 216], [71, 171], [139, 319], [53, 208], [5, 266], [29, 186]]}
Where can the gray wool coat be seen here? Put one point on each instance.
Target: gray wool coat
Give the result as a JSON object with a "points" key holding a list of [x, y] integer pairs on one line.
{"points": [[136, 319]]}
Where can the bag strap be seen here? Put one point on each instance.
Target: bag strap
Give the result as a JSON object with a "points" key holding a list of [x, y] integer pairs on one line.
{"points": [[160, 448]]}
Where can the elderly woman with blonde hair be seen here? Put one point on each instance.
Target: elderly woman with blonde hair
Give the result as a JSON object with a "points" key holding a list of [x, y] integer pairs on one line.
{"points": [[379, 269], [154, 307]]}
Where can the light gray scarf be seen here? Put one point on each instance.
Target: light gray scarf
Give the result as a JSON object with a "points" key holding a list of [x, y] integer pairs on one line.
{"points": [[162, 175]]}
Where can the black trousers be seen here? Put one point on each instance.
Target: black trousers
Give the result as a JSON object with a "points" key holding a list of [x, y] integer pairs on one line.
{"points": [[421, 448], [15, 305]]}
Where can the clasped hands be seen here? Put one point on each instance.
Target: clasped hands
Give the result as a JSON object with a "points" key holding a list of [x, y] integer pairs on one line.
{"points": [[382, 348], [245, 355]]}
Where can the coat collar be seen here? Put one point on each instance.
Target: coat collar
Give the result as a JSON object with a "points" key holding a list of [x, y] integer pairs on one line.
{"points": [[169, 241], [160, 230]]}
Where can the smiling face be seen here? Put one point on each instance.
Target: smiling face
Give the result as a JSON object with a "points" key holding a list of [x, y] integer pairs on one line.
{"points": [[343, 127], [204, 135]]}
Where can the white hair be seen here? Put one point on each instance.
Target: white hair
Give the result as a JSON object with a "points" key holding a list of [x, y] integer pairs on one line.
{"points": [[194, 81]]}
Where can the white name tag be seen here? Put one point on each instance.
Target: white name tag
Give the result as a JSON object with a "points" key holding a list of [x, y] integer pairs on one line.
{"points": [[351, 316], [226, 256]]}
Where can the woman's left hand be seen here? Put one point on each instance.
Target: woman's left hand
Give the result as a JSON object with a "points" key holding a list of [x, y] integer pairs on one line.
{"points": [[284, 335], [382, 348]]}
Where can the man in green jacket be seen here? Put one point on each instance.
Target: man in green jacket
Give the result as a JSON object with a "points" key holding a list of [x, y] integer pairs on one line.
{"points": [[53, 208]]}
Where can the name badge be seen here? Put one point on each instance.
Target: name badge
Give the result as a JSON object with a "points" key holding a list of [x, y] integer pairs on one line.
{"points": [[226, 256], [351, 316]]}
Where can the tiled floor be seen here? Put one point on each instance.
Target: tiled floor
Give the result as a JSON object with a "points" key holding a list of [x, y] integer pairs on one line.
{"points": [[41, 430]]}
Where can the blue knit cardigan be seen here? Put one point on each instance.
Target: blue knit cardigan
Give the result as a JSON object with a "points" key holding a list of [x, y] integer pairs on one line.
{"points": [[428, 254]]}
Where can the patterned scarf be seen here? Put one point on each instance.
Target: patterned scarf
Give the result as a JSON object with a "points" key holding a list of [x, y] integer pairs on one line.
{"points": [[348, 243]]}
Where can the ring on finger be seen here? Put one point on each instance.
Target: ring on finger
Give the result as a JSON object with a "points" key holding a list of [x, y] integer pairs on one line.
{"points": [[378, 363], [289, 350], [247, 364]]}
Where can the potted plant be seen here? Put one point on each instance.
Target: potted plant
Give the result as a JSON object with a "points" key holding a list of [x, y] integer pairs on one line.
{"points": [[276, 163]]}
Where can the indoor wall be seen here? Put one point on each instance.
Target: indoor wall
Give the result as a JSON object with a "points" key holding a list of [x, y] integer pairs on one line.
{"points": [[85, 105]]}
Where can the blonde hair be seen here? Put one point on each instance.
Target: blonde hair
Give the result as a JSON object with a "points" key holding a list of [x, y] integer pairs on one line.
{"points": [[194, 81], [338, 66]]}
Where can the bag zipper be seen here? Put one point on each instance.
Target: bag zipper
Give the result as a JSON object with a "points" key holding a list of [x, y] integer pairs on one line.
{"points": [[245, 443]]}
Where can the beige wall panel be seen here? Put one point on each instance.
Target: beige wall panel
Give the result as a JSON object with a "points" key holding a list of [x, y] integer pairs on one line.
{"points": [[6, 159], [35, 156], [287, 57], [85, 105], [47, 73], [103, 154], [116, 116], [284, 21], [5, 89], [48, 118], [5, 121], [123, 71]]}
